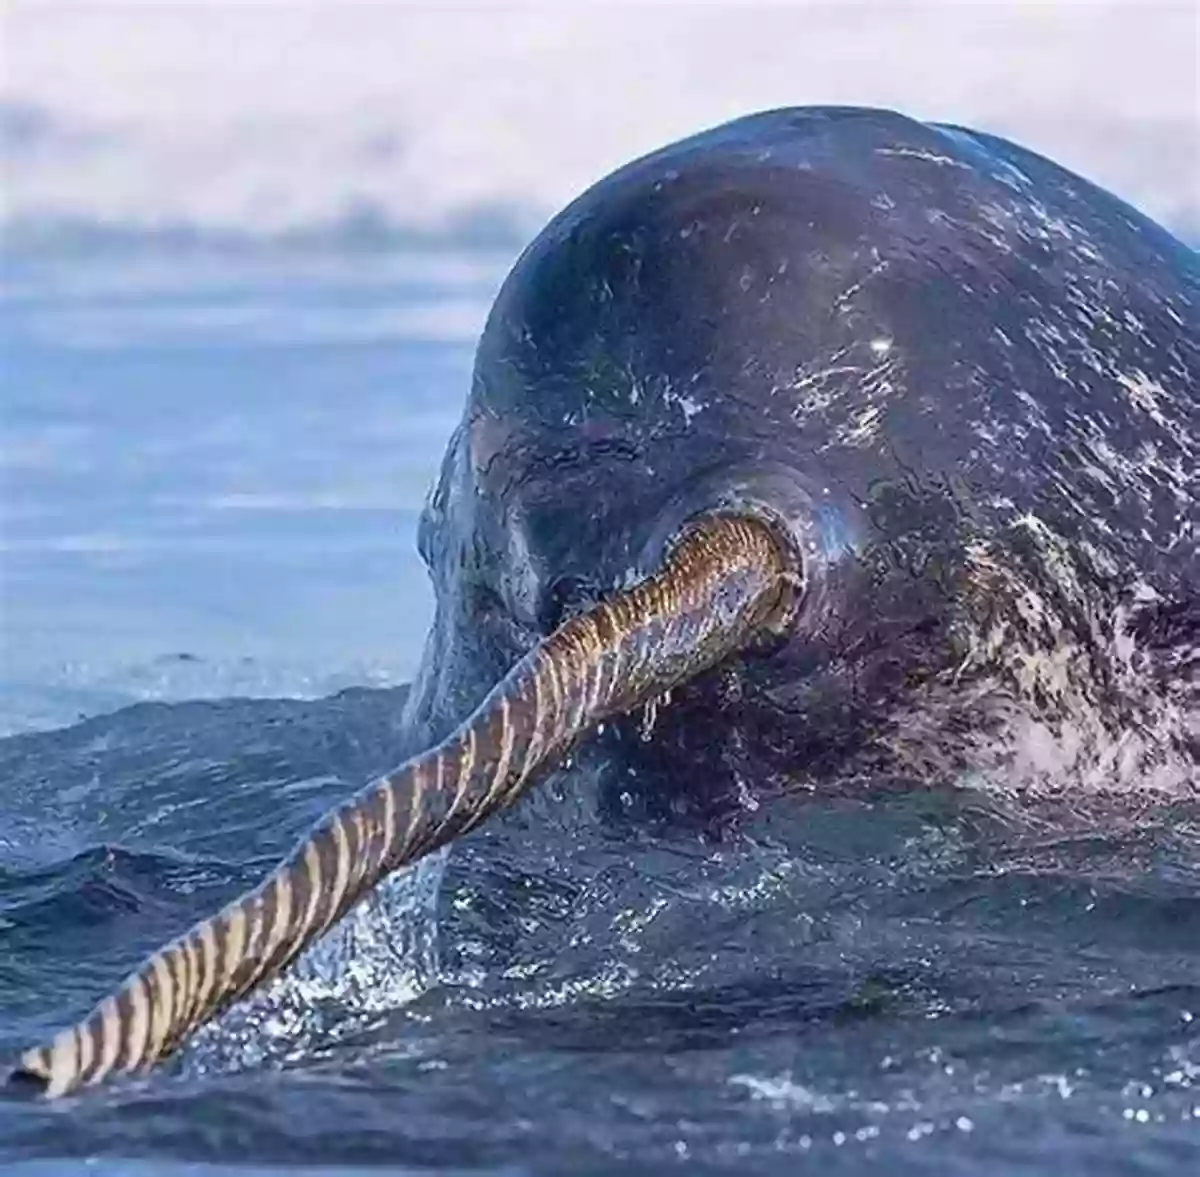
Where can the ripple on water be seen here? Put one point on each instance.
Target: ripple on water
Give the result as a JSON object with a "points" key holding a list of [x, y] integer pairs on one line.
{"points": [[900, 984]]}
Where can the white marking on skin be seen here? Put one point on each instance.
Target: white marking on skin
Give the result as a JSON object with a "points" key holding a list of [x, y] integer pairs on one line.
{"points": [[1033, 664], [1047, 338], [1134, 324], [878, 267], [975, 226], [1144, 394], [871, 393], [865, 426], [944, 161]]}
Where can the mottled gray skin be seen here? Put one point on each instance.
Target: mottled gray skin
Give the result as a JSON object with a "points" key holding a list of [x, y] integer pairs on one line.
{"points": [[964, 377]]}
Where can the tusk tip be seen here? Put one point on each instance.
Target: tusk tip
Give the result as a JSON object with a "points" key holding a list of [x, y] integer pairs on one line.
{"points": [[31, 1075]]}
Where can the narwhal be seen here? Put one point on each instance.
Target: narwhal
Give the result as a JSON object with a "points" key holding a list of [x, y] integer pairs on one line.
{"points": [[865, 442]]}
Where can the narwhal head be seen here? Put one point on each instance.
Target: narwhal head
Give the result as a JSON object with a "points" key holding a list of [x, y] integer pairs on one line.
{"points": [[633, 374]]}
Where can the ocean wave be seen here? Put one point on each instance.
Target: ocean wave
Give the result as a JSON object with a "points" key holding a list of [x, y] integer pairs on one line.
{"points": [[842, 979]]}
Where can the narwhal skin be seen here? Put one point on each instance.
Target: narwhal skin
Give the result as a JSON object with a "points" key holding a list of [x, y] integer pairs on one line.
{"points": [[872, 442]]}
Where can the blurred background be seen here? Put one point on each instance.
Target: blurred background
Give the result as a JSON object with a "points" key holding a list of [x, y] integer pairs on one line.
{"points": [[247, 249]]}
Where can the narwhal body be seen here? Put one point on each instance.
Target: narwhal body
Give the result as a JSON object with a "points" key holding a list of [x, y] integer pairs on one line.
{"points": [[962, 378]]}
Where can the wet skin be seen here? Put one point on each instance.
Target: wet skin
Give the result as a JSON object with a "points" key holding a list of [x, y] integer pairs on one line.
{"points": [[964, 377]]}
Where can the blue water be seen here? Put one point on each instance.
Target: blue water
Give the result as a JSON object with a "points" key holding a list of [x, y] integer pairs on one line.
{"points": [[220, 460], [212, 468]]}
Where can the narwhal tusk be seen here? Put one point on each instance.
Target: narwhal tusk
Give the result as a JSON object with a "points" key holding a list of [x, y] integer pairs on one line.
{"points": [[726, 581]]}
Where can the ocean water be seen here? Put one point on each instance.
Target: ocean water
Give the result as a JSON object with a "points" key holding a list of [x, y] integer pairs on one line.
{"points": [[212, 468]]}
